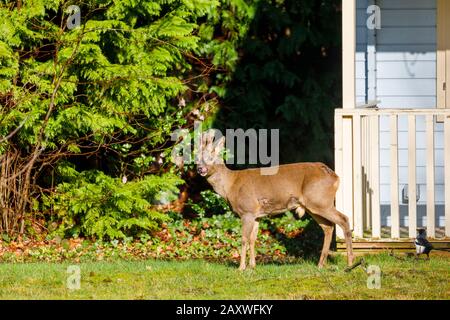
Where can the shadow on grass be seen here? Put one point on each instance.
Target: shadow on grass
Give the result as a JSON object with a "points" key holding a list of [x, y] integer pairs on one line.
{"points": [[305, 247], [263, 260]]}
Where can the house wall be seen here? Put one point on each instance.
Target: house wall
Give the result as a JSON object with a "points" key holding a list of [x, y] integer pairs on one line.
{"points": [[401, 74]]}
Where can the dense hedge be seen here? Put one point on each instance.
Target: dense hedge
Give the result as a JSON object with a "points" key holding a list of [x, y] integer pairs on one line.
{"points": [[86, 113]]}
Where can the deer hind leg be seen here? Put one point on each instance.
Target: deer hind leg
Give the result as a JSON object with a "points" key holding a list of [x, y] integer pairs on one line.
{"points": [[327, 227], [341, 220], [248, 222]]}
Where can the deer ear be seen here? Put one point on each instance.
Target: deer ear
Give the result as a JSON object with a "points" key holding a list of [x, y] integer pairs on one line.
{"points": [[208, 137], [204, 140], [179, 161], [220, 145]]}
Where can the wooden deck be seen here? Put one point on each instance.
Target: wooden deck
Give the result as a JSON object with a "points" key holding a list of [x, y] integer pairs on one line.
{"points": [[386, 244], [404, 233]]}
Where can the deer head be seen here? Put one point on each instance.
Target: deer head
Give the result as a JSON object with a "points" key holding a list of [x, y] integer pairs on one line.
{"points": [[210, 154]]}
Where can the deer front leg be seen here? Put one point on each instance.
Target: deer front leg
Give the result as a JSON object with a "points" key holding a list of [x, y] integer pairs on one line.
{"points": [[247, 228], [327, 227], [253, 236]]}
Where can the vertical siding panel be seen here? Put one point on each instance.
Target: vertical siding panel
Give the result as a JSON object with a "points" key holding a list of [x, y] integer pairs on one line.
{"points": [[371, 62], [412, 192], [395, 217], [430, 176]]}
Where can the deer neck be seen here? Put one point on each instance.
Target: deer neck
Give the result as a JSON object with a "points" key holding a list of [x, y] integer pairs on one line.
{"points": [[221, 179]]}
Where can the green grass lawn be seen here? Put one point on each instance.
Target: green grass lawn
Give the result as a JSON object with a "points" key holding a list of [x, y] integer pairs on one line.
{"points": [[197, 279]]}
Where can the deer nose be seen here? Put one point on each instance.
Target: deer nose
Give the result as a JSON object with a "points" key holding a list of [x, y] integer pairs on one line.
{"points": [[201, 171]]}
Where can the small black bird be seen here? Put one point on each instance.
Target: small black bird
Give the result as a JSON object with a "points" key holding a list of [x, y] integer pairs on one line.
{"points": [[423, 246]]}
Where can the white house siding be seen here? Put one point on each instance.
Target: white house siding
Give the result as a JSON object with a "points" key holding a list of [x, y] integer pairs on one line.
{"points": [[361, 51], [405, 78]]}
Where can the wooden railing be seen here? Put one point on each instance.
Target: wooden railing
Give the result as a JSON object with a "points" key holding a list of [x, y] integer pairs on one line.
{"points": [[357, 162]]}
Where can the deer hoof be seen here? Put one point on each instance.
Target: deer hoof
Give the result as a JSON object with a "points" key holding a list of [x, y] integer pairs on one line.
{"points": [[241, 268], [350, 261]]}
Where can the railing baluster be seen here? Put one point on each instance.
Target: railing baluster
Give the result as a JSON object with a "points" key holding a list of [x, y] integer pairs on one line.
{"points": [[375, 175], [357, 179], [395, 217], [447, 174], [338, 167], [431, 228], [412, 192], [364, 200], [368, 176], [347, 168]]}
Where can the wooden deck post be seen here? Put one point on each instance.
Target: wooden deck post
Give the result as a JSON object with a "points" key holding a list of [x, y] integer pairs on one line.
{"points": [[412, 192], [395, 216], [338, 164], [357, 179], [348, 102], [431, 227], [349, 53], [447, 173], [375, 176]]}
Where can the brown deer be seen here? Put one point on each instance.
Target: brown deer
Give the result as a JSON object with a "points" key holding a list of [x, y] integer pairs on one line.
{"points": [[301, 187]]}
